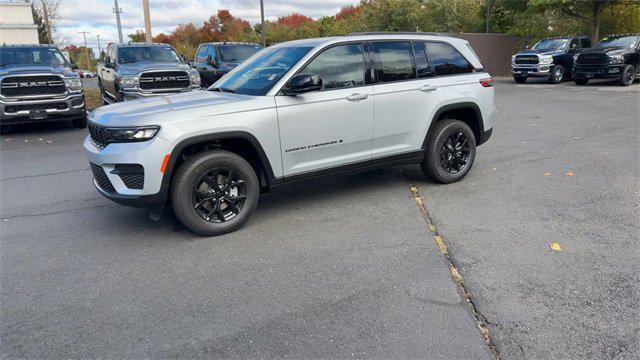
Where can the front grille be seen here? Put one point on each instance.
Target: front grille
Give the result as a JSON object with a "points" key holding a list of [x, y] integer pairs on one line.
{"points": [[593, 59], [164, 80], [35, 107], [32, 85], [132, 175], [98, 135], [101, 178], [526, 59]]}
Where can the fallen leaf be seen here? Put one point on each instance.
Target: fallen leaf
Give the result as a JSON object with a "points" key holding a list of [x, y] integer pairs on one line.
{"points": [[569, 173], [494, 169], [8, 140], [524, 142], [25, 140], [575, 138], [555, 246], [547, 174], [40, 139], [49, 141]]}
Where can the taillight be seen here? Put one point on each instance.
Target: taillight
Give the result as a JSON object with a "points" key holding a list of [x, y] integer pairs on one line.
{"points": [[488, 82]]}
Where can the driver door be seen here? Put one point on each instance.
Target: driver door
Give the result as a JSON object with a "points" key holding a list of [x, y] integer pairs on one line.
{"points": [[333, 126]]}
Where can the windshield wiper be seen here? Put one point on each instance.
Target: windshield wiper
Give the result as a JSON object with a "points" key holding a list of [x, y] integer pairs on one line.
{"points": [[220, 89]]}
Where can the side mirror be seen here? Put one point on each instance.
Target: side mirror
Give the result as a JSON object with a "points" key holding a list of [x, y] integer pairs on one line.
{"points": [[213, 61], [73, 64], [527, 47], [302, 83]]}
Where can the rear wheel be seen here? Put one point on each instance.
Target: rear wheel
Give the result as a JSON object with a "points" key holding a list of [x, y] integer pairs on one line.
{"points": [[557, 74], [628, 75], [581, 81], [451, 150], [214, 192], [520, 79]]}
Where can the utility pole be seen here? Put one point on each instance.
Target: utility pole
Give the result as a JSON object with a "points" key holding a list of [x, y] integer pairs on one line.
{"points": [[86, 49], [118, 10], [489, 14], [147, 21], [46, 21], [263, 29], [99, 48]]}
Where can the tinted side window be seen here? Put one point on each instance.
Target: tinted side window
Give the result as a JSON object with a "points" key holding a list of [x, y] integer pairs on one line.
{"points": [[585, 43], [394, 61], [573, 44], [202, 53], [422, 64], [211, 50], [339, 67], [447, 60]]}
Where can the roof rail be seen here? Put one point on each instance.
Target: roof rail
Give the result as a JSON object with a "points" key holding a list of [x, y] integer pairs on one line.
{"points": [[396, 33]]}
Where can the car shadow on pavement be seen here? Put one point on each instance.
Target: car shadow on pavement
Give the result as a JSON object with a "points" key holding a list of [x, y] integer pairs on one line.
{"points": [[37, 128]]}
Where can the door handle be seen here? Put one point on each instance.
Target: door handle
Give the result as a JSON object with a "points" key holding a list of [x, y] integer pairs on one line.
{"points": [[357, 97], [427, 88]]}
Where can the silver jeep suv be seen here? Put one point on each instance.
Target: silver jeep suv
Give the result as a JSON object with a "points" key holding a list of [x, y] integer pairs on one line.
{"points": [[293, 111]]}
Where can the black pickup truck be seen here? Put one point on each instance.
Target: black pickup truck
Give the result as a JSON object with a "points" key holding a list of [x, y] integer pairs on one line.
{"points": [[37, 84], [613, 57], [550, 58], [213, 60], [138, 70]]}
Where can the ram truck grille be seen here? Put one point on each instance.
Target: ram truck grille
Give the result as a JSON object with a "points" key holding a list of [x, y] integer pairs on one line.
{"points": [[158, 80], [526, 59], [32, 85], [592, 59], [36, 107]]}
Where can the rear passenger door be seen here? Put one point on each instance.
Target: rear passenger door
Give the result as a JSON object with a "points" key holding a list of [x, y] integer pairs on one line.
{"points": [[406, 95]]}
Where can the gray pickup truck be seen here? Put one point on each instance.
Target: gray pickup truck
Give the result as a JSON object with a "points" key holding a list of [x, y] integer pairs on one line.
{"points": [[37, 84], [137, 70]]}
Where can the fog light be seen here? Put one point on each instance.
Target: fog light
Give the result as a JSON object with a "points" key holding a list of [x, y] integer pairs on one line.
{"points": [[614, 70]]}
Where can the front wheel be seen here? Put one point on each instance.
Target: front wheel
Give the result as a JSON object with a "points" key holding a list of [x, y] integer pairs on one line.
{"points": [[581, 81], [557, 74], [628, 75], [214, 192], [451, 150]]}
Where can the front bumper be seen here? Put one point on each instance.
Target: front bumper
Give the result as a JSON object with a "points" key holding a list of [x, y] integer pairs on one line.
{"points": [[598, 72], [533, 70], [141, 94], [148, 154], [21, 111]]}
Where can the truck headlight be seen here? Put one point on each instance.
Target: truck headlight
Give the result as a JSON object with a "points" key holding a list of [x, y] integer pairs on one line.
{"points": [[73, 83], [195, 79], [129, 82], [616, 59], [546, 59], [575, 57], [513, 59], [131, 133]]}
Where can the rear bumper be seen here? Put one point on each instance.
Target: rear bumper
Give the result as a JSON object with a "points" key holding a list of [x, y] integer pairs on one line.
{"points": [[598, 72], [41, 110]]}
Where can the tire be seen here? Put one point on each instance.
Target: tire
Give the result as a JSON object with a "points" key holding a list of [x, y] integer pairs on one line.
{"points": [[628, 76], [556, 74], [194, 202], [581, 81], [80, 123], [519, 79], [439, 143]]}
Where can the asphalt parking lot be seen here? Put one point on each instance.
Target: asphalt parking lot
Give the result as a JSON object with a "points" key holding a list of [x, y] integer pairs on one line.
{"points": [[345, 267]]}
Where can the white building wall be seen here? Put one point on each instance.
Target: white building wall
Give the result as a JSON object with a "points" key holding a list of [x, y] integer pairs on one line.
{"points": [[16, 24]]}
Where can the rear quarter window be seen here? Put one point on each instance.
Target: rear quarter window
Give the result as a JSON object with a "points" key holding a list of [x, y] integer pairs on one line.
{"points": [[447, 60]]}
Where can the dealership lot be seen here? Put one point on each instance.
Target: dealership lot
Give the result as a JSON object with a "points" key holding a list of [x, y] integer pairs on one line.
{"points": [[345, 266]]}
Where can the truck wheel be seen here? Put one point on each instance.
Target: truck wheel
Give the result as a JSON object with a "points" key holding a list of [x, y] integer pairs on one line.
{"points": [[214, 192], [80, 123], [556, 75], [451, 150], [628, 75], [520, 79], [581, 81]]}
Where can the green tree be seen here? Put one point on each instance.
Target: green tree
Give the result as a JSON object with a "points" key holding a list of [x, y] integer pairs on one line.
{"points": [[138, 36], [43, 38]]}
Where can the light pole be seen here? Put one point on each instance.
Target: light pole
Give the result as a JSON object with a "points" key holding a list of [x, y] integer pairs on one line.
{"points": [[118, 10], [99, 48], [263, 29], [86, 49], [46, 21], [147, 21]]}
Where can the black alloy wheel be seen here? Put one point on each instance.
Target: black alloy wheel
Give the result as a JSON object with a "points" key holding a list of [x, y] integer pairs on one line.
{"points": [[454, 153], [219, 195], [628, 75]]}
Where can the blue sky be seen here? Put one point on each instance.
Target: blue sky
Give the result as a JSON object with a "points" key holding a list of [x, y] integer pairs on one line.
{"points": [[97, 17]]}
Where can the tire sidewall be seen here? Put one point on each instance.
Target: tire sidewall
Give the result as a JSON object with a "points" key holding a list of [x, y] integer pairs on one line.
{"points": [[192, 171], [552, 76], [449, 127], [626, 69]]}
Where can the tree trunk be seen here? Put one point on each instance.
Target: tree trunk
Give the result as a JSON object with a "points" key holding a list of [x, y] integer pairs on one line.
{"points": [[595, 16]]}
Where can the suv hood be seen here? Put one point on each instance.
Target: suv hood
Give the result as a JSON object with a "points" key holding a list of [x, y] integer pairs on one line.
{"points": [[36, 69], [540, 52], [176, 107], [138, 67], [611, 50]]}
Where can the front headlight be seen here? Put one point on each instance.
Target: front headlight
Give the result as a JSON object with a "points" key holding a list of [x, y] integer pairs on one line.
{"points": [[131, 134], [616, 59], [129, 82], [73, 83], [513, 59], [195, 79], [575, 57], [546, 59]]}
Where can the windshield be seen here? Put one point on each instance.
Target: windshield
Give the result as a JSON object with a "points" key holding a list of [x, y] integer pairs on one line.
{"points": [[551, 44], [147, 53], [45, 56], [237, 53], [258, 74], [625, 41]]}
